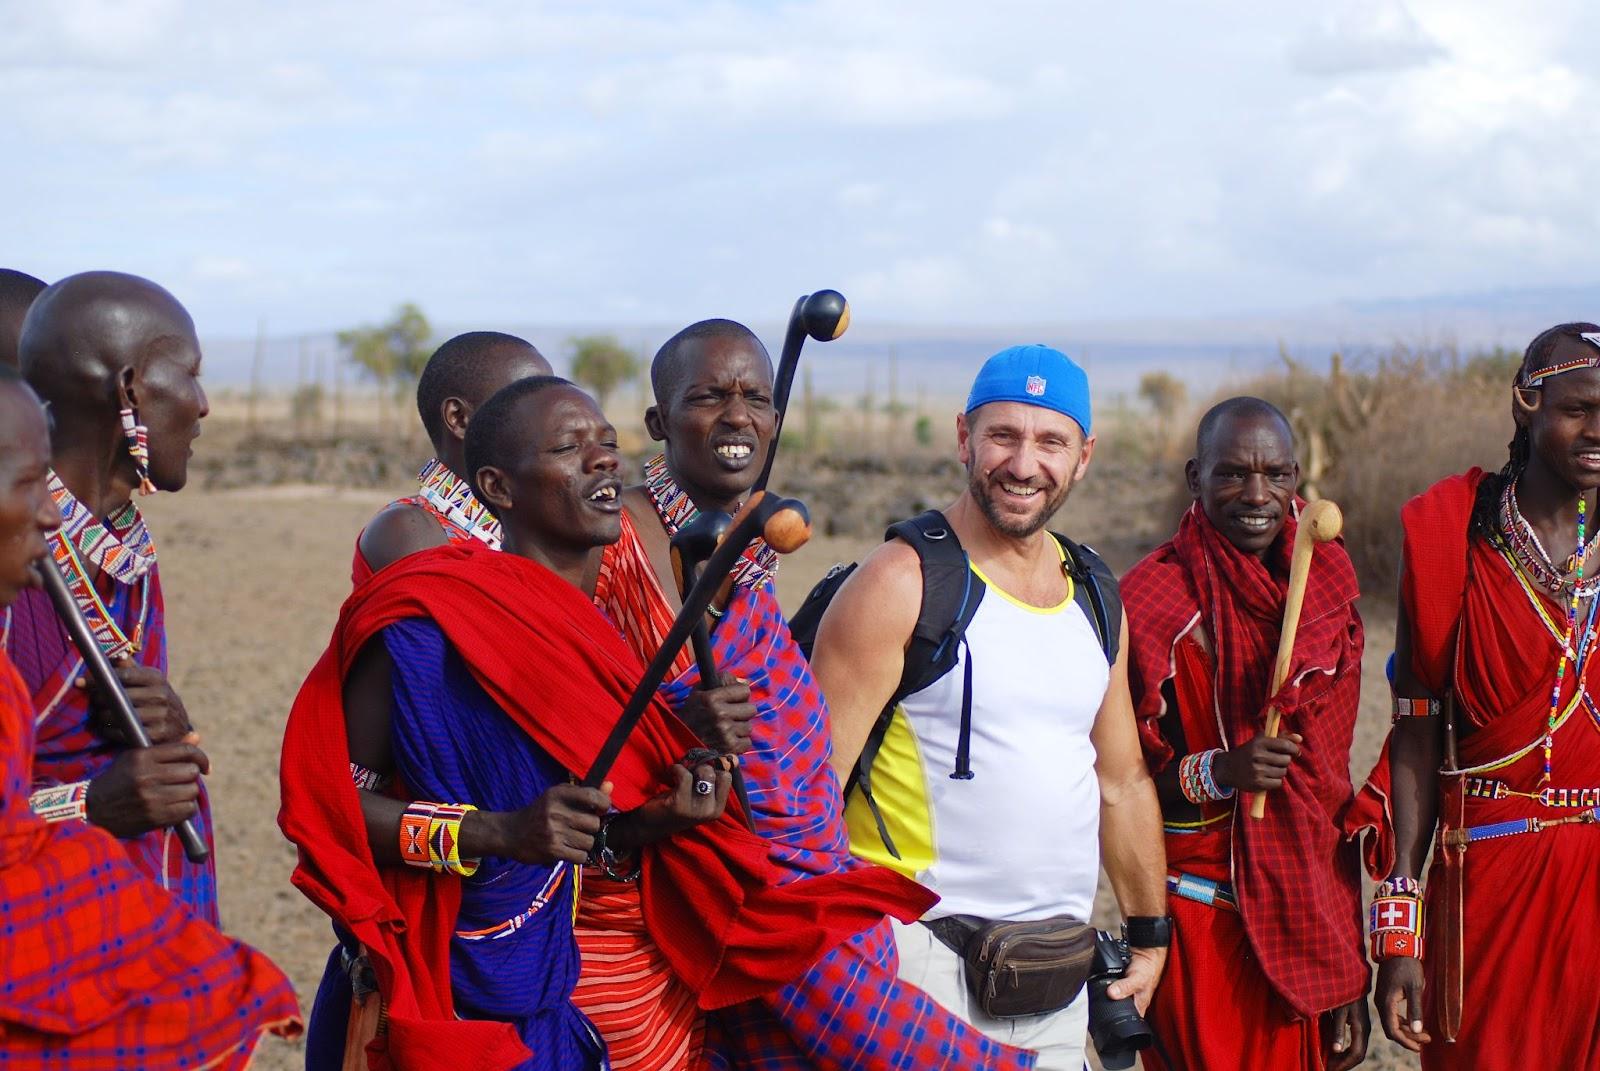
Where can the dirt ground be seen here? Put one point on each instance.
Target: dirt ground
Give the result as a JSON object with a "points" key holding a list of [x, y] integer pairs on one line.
{"points": [[254, 579]]}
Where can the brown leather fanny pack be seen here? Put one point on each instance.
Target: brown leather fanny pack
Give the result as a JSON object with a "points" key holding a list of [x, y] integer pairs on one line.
{"points": [[1020, 968]]}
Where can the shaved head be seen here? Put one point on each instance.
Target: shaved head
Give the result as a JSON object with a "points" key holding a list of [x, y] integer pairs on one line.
{"points": [[676, 359], [1228, 414], [17, 291], [96, 343], [471, 368]]}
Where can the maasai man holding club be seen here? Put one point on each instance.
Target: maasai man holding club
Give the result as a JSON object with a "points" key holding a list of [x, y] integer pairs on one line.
{"points": [[116, 359], [496, 678], [1266, 968], [461, 375], [714, 416], [1497, 742], [100, 971]]}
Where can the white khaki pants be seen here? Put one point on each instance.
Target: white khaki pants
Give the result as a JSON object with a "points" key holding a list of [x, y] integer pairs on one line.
{"points": [[930, 965]]}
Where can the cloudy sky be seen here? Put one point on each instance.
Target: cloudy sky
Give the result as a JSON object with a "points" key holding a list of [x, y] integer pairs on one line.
{"points": [[940, 162]]}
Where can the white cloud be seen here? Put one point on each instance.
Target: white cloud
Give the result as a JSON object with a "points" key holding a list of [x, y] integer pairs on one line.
{"points": [[1360, 36]]}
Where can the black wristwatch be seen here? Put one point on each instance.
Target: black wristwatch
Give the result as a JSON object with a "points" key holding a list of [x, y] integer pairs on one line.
{"points": [[1147, 931]]}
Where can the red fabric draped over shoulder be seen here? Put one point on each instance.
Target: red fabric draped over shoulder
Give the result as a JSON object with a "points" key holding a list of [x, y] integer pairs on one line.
{"points": [[100, 963], [1294, 873], [561, 671]]}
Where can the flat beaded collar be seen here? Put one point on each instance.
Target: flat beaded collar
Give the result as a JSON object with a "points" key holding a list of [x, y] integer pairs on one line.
{"points": [[675, 508], [120, 546], [452, 497]]}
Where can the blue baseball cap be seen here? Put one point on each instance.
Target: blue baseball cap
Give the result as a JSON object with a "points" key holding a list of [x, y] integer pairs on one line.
{"points": [[1034, 375]]}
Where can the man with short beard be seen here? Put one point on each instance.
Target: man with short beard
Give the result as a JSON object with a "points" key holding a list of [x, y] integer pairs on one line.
{"points": [[1267, 968], [1002, 812]]}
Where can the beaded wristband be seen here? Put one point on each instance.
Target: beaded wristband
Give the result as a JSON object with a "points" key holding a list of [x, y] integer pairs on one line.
{"points": [[1394, 924], [1414, 708], [1197, 778], [430, 837], [414, 825], [371, 780], [444, 839], [62, 803], [1400, 885]]}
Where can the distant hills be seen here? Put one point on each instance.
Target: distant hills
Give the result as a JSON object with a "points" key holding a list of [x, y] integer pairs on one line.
{"points": [[938, 361]]}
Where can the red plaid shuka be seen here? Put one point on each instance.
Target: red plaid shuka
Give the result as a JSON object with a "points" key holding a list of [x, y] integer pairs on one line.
{"points": [[711, 896], [101, 969], [1295, 873]]}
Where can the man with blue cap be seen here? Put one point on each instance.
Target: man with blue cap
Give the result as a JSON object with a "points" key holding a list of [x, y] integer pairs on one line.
{"points": [[975, 672]]}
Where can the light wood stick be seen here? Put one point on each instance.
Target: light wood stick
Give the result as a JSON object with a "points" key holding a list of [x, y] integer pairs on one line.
{"points": [[1319, 522]]}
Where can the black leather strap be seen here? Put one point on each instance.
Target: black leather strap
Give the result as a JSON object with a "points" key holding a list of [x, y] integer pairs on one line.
{"points": [[1148, 931]]}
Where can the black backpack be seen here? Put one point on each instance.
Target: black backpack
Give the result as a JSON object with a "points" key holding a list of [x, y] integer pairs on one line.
{"points": [[951, 593]]}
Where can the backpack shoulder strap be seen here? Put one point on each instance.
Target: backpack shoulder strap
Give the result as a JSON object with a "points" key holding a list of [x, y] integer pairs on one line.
{"points": [[1096, 591], [951, 592]]}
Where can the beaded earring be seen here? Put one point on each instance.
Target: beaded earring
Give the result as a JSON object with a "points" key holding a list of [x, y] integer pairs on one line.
{"points": [[138, 449]]}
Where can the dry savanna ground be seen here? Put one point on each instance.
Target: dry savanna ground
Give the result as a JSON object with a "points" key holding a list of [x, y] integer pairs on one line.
{"points": [[254, 578]]}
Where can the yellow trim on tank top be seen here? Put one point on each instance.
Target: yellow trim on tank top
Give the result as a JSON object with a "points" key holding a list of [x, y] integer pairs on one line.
{"points": [[1018, 603], [900, 787]]}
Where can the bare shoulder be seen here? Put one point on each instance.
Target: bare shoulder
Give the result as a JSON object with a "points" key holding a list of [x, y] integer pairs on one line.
{"points": [[399, 529], [883, 597]]}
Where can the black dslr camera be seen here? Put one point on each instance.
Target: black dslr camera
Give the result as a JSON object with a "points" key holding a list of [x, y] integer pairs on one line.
{"points": [[1115, 1026]]}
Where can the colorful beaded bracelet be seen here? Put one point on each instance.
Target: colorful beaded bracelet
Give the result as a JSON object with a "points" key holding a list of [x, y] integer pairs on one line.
{"points": [[1197, 778], [430, 837], [62, 803], [1394, 925]]}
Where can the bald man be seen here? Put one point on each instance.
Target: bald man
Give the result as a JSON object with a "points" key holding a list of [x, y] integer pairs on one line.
{"points": [[17, 291], [461, 375], [1267, 968], [116, 359]]}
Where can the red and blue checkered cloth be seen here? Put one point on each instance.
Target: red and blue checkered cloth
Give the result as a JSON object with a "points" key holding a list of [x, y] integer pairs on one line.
{"points": [[99, 969], [67, 748], [850, 1010]]}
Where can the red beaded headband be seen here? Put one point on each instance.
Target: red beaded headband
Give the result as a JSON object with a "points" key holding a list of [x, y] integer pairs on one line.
{"points": [[1525, 392]]}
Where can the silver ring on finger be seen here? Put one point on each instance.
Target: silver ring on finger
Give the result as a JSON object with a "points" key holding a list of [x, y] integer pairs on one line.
{"points": [[703, 788]]}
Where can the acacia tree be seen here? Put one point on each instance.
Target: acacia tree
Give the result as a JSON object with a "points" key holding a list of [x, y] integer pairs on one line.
{"points": [[602, 363], [391, 354]]}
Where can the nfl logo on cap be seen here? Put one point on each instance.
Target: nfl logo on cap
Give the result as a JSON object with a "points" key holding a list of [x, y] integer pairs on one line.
{"points": [[1035, 386]]}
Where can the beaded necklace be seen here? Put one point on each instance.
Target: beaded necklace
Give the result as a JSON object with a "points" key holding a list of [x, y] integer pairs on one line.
{"points": [[1572, 584], [120, 546], [1530, 553], [452, 496], [675, 508]]}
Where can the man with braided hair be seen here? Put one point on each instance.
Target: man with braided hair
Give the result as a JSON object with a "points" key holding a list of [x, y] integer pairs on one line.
{"points": [[1267, 968], [1497, 742]]}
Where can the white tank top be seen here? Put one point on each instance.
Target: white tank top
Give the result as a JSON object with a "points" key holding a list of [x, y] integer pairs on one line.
{"points": [[1020, 840]]}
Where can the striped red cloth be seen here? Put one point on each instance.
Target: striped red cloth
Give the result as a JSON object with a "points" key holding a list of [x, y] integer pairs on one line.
{"points": [[1296, 875], [630, 593], [713, 899], [101, 968]]}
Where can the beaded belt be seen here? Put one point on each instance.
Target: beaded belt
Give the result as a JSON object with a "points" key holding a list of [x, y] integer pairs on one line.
{"points": [[1217, 894], [511, 925], [1492, 788], [1460, 838]]}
